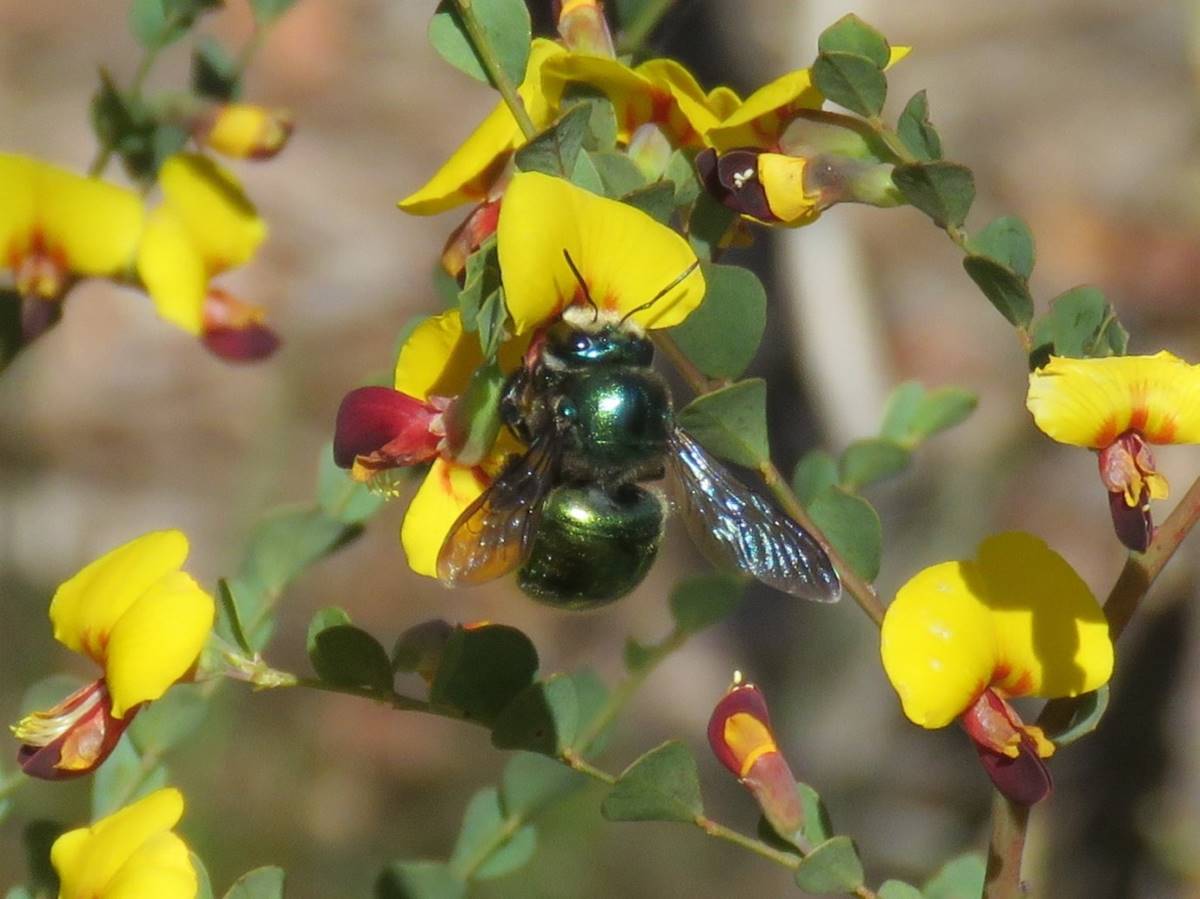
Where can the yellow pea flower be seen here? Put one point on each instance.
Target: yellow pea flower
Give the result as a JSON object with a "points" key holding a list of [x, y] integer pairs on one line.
{"points": [[961, 638], [625, 258], [131, 853], [1118, 406], [57, 226], [144, 622], [205, 226], [245, 130]]}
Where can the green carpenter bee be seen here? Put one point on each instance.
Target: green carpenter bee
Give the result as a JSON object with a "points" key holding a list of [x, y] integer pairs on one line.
{"points": [[572, 515]]}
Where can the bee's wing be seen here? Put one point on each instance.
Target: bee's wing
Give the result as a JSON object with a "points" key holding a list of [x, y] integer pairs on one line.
{"points": [[741, 528], [493, 535]]}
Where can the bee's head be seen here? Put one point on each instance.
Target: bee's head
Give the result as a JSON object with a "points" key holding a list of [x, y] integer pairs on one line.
{"points": [[572, 343]]}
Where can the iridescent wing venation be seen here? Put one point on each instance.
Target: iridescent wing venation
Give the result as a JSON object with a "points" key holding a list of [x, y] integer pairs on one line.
{"points": [[741, 528], [493, 535]]}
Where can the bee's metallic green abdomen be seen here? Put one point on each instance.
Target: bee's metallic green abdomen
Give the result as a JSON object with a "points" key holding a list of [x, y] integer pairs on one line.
{"points": [[619, 421], [593, 545]]}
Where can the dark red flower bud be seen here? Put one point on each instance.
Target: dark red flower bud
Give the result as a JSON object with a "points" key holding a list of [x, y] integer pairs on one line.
{"points": [[383, 428], [74, 737]]}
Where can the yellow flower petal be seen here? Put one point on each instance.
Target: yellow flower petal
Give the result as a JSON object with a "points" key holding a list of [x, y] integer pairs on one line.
{"points": [[86, 607], [723, 101], [172, 269], [438, 358], [160, 869], [1052, 636], [1091, 402], [467, 176], [937, 644], [18, 212], [446, 491], [624, 255], [95, 224], [89, 859], [748, 739], [217, 214], [157, 640], [248, 131], [782, 178]]}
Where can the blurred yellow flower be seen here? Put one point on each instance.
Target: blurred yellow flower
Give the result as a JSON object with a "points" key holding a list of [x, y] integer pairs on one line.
{"points": [[1118, 405], [144, 622], [56, 226], [131, 854], [246, 130], [963, 637]]}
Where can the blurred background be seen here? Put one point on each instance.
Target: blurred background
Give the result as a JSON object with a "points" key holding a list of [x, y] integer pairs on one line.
{"points": [[1080, 116]]}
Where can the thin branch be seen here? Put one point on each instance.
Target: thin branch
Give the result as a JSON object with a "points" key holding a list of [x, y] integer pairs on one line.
{"points": [[495, 71], [1005, 849]]}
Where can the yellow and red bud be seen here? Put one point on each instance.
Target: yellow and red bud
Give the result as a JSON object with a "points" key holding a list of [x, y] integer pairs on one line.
{"points": [[42, 272], [1010, 751], [739, 732], [73, 737], [469, 236], [1128, 473], [236, 330], [379, 428], [244, 130], [583, 28]]}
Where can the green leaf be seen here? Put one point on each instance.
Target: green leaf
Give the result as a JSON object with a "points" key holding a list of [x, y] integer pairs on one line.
{"points": [[543, 718], [419, 880], [473, 421], [38, 837], [231, 617], [708, 225], [815, 471], [481, 279], [482, 669], [601, 133], [656, 200], [339, 495], [266, 11], [216, 74], [1004, 288], [850, 80], [941, 410], [485, 847], [944, 191], [618, 173], [169, 721], [1080, 324], [420, 647], [156, 23], [1008, 241], [960, 878], [817, 827], [681, 171], [897, 889], [851, 524], [204, 882], [11, 337], [128, 126], [703, 600], [591, 696], [875, 459], [850, 34], [281, 547], [662, 785], [831, 867], [531, 782], [587, 176], [345, 655], [261, 883], [731, 422], [506, 30], [123, 778], [902, 407], [1089, 709], [556, 150], [721, 337], [917, 132]]}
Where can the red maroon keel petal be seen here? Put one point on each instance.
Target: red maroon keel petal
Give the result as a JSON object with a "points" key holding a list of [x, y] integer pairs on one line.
{"points": [[379, 421], [85, 745], [1024, 780], [743, 698], [1134, 525], [249, 344]]}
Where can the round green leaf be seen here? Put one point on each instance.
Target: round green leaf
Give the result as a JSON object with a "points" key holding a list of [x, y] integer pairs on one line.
{"points": [[959, 878], [344, 655], [851, 524], [902, 407], [898, 889], [875, 459], [816, 471], [944, 191], [850, 34], [204, 883], [831, 867], [543, 718], [482, 669], [1089, 709], [531, 782], [731, 422], [917, 132], [510, 856], [850, 80], [702, 601], [721, 337], [662, 785], [1008, 241], [940, 410], [1004, 288], [261, 883], [506, 28], [557, 149], [419, 880], [216, 74]]}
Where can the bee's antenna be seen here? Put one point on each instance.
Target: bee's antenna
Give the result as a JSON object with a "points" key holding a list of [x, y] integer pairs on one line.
{"points": [[582, 285], [662, 293]]}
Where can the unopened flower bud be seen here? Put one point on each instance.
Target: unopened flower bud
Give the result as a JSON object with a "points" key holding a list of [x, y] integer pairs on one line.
{"points": [[236, 330], [379, 428], [1010, 751], [469, 236], [245, 130], [72, 738], [583, 28]]}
